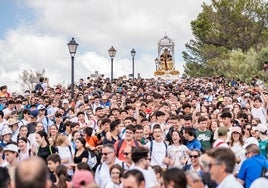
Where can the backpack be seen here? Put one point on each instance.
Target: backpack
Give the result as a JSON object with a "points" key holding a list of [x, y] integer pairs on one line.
{"points": [[93, 160], [38, 86], [151, 148], [120, 144]]}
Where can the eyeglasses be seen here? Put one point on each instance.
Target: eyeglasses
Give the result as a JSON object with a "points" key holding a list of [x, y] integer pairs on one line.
{"points": [[235, 132], [105, 154], [126, 154], [248, 129], [193, 156], [212, 164], [148, 158]]}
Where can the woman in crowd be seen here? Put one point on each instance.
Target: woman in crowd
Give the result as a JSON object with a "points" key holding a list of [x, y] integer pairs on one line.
{"points": [[24, 150], [53, 132], [23, 131], [44, 149], [61, 177], [116, 173], [177, 152], [39, 127], [247, 132], [64, 151], [236, 145], [75, 134], [81, 153]]}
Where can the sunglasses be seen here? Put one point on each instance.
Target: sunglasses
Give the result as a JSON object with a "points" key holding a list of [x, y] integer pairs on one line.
{"points": [[126, 154], [193, 156], [105, 154]]}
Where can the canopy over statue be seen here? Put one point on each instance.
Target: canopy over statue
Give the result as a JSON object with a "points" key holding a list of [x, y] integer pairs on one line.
{"points": [[165, 62]]}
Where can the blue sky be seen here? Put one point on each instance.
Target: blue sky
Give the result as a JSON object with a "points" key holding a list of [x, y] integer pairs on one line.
{"points": [[34, 34]]}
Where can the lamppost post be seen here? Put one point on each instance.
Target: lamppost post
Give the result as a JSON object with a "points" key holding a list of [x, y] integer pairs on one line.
{"points": [[133, 53], [72, 45], [112, 53], [156, 64]]}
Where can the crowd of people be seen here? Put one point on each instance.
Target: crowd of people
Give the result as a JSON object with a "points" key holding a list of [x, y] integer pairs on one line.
{"points": [[189, 132]]}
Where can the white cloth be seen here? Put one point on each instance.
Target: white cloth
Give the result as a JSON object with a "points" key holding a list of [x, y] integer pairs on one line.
{"points": [[260, 182], [230, 182], [159, 151], [150, 177]]}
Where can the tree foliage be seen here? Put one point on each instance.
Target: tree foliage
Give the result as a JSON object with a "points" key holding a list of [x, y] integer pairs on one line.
{"points": [[221, 28], [28, 79]]}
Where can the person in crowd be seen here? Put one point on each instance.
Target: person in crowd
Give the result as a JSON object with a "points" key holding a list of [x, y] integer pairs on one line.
{"points": [[194, 180], [252, 167], [5, 181], [133, 178], [129, 140], [13, 124], [43, 149], [236, 145], [53, 161], [194, 162], [81, 153], [53, 132], [222, 136], [62, 177], [221, 167], [11, 156], [158, 148], [140, 156], [32, 172], [261, 133], [109, 158], [174, 177], [83, 179], [23, 132], [65, 151], [191, 141], [116, 173], [203, 134], [6, 137], [23, 149], [3, 162]]}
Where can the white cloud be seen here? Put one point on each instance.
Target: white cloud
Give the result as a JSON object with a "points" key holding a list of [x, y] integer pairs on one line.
{"points": [[96, 26]]}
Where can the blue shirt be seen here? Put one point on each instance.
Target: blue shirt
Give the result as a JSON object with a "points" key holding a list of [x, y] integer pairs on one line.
{"points": [[194, 144], [251, 169]]}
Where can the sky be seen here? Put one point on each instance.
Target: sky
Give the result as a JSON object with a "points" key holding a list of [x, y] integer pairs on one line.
{"points": [[34, 36]]}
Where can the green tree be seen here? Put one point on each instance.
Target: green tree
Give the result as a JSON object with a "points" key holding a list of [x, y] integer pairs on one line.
{"points": [[222, 27], [28, 79]]}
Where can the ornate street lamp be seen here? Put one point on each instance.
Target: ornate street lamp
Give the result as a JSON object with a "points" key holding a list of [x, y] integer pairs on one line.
{"points": [[72, 45], [133, 53], [112, 53]]}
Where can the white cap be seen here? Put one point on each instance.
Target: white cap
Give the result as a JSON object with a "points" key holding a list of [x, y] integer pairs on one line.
{"points": [[251, 140], [41, 107], [6, 130], [11, 147]]}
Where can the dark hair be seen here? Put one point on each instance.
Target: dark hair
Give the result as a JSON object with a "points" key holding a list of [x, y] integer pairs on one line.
{"points": [[88, 131], [118, 167], [61, 173], [131, 128], [138, 153], [83, 166], [4, 178], [190, 131], [82, 140], [139, 177], [43, 134], [176, 176], [202, 118], [114, 124], [224, 155], [54, 158]]}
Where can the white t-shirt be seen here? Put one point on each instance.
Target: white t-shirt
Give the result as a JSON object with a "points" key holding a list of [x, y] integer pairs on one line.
{"points": [[158, 153]]}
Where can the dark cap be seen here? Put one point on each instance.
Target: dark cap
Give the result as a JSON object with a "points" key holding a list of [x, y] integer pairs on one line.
{"points": [[159, 113], [34, 113]]}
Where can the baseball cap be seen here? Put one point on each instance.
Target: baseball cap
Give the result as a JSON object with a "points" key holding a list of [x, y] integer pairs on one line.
{"points": [[236, 129], [41, 107], [11, 147], [34, 113], [222, 131], [260, 127], [251, 140], [82, 178]]}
